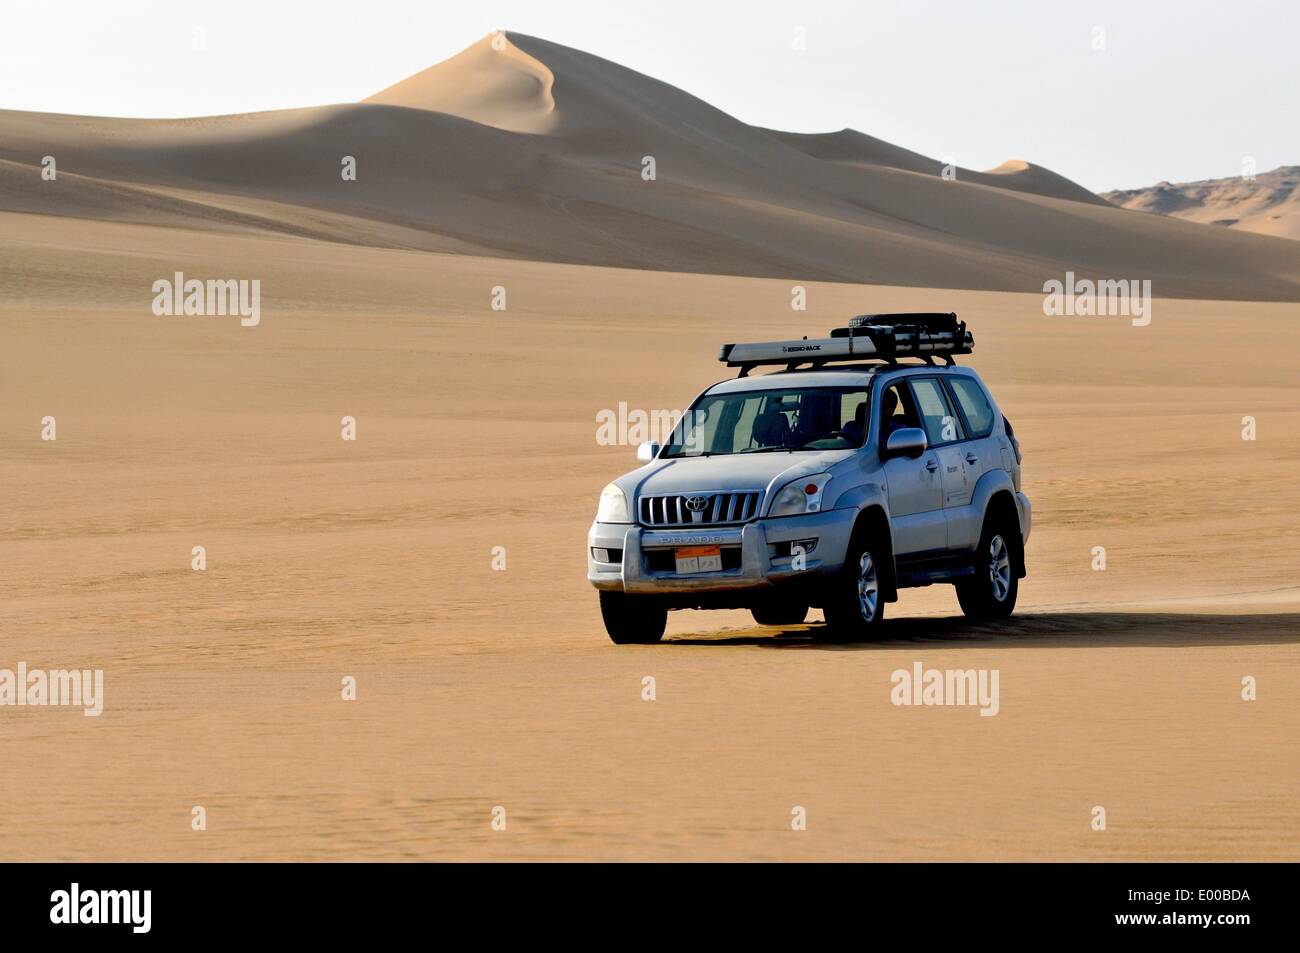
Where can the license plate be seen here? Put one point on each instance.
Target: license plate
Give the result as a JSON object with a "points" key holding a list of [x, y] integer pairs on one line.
{"points": [[698, 559]]}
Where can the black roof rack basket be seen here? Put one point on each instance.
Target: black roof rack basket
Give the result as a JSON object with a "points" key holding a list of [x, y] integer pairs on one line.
{"points": [[910, 335], [880, 337]]}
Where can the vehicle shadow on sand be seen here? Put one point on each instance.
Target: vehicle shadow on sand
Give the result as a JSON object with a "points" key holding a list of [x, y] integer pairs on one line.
{"points": [[1060, 629]]}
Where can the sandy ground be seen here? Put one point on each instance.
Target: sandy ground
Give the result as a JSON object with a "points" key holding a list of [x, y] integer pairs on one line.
{"points": [[480, 688]]}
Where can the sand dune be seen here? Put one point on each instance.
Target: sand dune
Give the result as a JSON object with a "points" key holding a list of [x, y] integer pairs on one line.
{"points": [[1268, 204], [492, 82], [854, 148], [535, 151]]}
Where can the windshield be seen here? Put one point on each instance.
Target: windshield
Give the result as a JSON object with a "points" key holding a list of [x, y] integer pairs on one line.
{"points": [[771, 421]]}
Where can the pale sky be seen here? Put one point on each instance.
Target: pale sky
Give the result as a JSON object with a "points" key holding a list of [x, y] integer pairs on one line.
{"points": [[1183, 90]]}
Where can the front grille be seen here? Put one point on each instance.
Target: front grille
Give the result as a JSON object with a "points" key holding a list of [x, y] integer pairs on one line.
{"points": [[699, 509]]}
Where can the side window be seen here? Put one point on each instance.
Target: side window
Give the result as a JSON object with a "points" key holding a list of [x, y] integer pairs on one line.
{"points": [[941, 426], [897, 410], [973, 403]]}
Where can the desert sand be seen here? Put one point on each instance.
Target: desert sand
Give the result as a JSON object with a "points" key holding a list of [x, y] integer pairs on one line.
{"points": [[479, 688], [476, 429]]}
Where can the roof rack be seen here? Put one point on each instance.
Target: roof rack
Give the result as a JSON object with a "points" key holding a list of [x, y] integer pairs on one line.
{"points": [[868, 337]]}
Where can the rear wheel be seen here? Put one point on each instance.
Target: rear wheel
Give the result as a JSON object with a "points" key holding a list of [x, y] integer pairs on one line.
{"points": [[633, 620], [991, 593], [776, 612], [855, 605]]}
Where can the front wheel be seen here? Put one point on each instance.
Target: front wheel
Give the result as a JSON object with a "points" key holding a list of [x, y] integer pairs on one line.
{"points": [[991, 593], [633, 620], [855, 605]]}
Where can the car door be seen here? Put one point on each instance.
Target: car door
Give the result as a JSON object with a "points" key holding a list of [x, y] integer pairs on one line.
{"points": [[913, 486], [944, 431], [980, 452]]}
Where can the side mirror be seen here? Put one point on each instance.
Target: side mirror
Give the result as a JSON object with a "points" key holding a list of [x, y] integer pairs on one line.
{"points": [[648, 451], [907, 442]]}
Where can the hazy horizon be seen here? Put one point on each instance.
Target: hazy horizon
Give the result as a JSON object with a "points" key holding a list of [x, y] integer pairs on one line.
{"points": [[1166, 99]]}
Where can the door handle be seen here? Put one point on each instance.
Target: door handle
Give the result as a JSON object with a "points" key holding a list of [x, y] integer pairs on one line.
{"points": [[971, 458], [931, 466]]}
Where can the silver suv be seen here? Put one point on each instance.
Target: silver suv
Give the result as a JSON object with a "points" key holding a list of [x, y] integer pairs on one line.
{"points": [[834, 482]]}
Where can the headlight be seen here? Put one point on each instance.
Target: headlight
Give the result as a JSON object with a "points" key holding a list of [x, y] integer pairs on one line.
{"points": [[613, 506], [800, 496]]}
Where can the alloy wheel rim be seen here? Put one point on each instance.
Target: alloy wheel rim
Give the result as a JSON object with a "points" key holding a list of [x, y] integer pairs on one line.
{"points": [[999, 568], [868, 588]]}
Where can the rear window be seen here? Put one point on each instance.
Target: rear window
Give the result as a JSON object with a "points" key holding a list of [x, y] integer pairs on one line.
{"points": [[936, 417], [973, 403]]}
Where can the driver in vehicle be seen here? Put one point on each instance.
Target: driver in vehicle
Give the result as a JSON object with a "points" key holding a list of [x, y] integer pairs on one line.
{"points": [[813, 419], [771, 429], [890, 418]]}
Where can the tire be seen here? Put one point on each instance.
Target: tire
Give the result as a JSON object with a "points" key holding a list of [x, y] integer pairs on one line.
{"points": [[855, 605], [633, 620], [992, 593], [776, 612]]}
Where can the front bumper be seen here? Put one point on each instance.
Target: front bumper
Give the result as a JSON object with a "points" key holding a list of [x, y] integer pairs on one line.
{"points": [[763, 548]]}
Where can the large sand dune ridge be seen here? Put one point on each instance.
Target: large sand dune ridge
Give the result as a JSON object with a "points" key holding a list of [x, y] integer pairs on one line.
{"points": [[536, 151]]}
